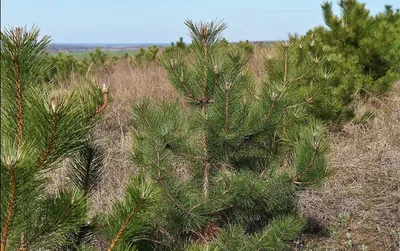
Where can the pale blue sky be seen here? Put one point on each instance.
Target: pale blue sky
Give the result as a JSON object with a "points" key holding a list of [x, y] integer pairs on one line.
{"points": [[124, 21]]}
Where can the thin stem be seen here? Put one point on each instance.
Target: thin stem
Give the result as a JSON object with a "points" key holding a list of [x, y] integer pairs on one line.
{"points": [[206, 165], [277, 241], [271, 70], [286, 63], [310, 182], [304, 74], [19, 102], [215, 198], [227, 107], [52, 138], [183, 82], [105, 102], [24, 246], [125, 225], [310, 164], [310, 99], [205, 180], [10, 209], [176, 203], [215, 84], [205, 67], [269, 112]]}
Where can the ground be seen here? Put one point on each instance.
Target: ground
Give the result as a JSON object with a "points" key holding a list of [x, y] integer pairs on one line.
{"points": [[359, 207]]}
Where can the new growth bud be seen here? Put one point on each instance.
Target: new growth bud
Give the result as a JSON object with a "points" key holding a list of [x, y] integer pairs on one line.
{"points": [[173, 63], [315, 145], [181, 78], [53, 105], [286, 44], [216, 69], [105, 88], [9, 162], [312, 43], [227, 85], [315, 142], [274, 96], [204, 32]]}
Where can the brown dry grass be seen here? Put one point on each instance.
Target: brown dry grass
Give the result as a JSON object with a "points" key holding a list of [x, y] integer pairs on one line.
{"points": [[127, 85], [359, 207]]}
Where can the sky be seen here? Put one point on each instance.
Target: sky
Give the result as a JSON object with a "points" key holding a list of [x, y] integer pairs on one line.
{"points": [[162, 21]]}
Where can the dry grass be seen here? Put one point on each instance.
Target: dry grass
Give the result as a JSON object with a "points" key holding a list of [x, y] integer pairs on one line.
{"points": [[127, 85], [360, 206]]}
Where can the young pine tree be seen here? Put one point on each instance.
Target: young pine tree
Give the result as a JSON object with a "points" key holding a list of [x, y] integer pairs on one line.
{"points": [[40, 127], [361, 51], [224, 172]]}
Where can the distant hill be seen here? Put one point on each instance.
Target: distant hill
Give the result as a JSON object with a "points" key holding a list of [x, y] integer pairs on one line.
{"points": [[78, 47], [82, 47]]}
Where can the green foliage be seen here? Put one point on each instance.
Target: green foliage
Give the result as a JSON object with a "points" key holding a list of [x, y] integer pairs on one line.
{"points": [[64, 65], [361, 51], [175, 47], [146, 56], [40, 127], [226, 171], [247, 46]]}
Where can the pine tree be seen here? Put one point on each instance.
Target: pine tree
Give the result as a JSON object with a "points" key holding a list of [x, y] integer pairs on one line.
{"points": [[360, 50], [40, 127], [223, 172]]}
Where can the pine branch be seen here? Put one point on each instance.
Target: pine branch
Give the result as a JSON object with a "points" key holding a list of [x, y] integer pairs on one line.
{"points": [[204, 33], [205, 179], [19, 101], [310, 99], [87, 168], [206, 165], [286, 61], [305, 73], [24, 246], [10, 209], [309, 166], [188, 93], [16, 40], [319, 178], [125, 225], [53, 131], [173, 200], [269, 112], [216, 79], [227, 87], [214, 198]]}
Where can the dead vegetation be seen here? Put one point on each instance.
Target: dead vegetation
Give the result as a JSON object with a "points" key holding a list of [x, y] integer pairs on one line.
{"points": [[359, 207]]}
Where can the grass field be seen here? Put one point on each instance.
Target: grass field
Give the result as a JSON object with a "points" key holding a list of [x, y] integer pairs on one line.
{"points": [[82, 54]]}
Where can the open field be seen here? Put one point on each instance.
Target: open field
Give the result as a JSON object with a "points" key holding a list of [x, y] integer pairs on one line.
{"points": [[117, 53]]}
